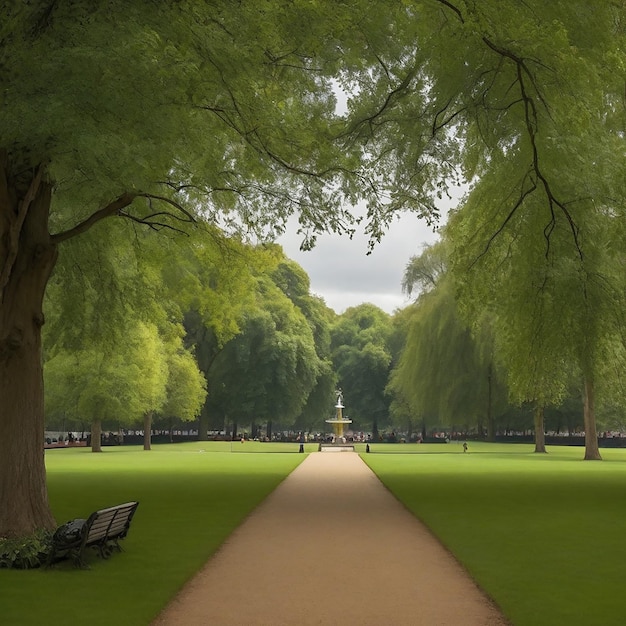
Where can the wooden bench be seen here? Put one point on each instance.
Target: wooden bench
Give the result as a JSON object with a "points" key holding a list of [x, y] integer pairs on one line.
{"points": [[102, 530]]}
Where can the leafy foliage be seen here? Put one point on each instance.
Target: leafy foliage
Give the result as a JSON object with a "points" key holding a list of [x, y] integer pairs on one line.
{"points": [[294, 283], [268, 370], [25, 552]]}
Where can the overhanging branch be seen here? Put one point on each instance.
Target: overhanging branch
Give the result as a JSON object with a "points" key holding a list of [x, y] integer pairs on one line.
{"points": [[109, 210], [117, 208], [523, 195]]}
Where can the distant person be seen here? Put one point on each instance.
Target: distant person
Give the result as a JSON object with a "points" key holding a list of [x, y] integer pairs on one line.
{"points": [[465, 446]]}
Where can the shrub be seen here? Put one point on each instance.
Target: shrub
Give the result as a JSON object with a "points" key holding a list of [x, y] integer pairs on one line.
{"points": [[25, 552]]}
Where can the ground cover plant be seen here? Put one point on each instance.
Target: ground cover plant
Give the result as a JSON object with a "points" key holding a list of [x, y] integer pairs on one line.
{"points": [[542, 534], [191, 497]]}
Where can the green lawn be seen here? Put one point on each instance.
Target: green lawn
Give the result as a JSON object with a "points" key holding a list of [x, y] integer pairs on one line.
{"points": [[544, 535], [191, 496]]}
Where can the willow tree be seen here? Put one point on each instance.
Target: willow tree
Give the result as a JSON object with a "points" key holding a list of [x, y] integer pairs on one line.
{"points": [[556, 296], [446, 371], [526, 100], [540, 116]]}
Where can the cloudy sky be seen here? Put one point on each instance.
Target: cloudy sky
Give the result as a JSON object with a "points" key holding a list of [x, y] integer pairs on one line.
{"points": [[344, 275]]}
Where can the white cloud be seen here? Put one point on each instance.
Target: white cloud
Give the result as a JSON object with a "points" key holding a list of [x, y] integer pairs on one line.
{"points": [[344, 274]]}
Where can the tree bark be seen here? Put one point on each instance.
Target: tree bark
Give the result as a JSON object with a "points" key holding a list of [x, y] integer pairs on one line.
{"points": [[147, 431], [540, 436], [96, 436], [27, 257], [592, 450]]}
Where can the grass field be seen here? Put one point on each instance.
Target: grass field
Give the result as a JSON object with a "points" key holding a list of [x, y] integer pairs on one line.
{"points": [[544, 535], [191, 496]]}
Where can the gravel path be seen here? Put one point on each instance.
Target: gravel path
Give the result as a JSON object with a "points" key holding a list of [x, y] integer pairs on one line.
{"points": [[331, 546]]}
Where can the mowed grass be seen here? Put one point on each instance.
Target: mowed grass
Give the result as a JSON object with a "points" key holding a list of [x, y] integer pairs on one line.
{"points": [[543, 535], [191, 497]]}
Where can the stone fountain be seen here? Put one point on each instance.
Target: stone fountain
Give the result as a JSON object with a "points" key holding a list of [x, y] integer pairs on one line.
{"points": [[338, 422]]}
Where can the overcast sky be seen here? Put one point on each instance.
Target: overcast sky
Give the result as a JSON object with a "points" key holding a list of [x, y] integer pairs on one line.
{"points": [[344, 275]]}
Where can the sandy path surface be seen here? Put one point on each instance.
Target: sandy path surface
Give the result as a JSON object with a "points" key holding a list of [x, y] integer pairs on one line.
{"points": [[331, 546]]}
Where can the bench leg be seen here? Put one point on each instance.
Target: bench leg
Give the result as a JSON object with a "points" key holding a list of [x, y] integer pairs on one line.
{"points": [[78, 560]]}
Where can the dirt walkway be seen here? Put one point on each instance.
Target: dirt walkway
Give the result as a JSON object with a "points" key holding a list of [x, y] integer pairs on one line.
{"points": [[331, 546]]}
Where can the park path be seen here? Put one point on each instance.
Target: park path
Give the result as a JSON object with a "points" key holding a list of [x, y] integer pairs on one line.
{"points": [[331, 546]]}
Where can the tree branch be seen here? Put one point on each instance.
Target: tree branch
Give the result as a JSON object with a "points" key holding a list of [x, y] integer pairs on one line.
{"points": [[512, 212], [188, 216], [110, 209], [455, 9], [406, 81], [150, 223], [531, 122], [116, 208]]}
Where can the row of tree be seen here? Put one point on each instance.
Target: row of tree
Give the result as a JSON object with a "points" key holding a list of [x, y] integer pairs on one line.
{"points": [[239, 321], [169, 322], [175, 321]]}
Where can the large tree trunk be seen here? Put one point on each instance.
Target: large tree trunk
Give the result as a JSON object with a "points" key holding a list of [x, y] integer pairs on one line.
{"points": [[540, 435], [592, 451], [27, 257], [96, 436], [147, 431]]}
